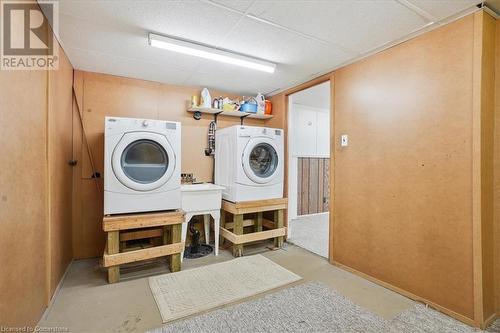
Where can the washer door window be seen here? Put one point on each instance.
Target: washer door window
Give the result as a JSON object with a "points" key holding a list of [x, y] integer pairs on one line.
{"points": [[260, 160], [143, 161]]}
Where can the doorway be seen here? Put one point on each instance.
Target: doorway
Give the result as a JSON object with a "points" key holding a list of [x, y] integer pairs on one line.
{"points": [[309, 168]]}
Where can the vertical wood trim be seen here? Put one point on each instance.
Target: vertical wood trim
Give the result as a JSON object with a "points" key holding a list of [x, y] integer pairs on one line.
{"points": [[331, 172], [483, 166], [497, 167], [321, 190], [476, 168], [313, 185], [77, 225], [305, 187], [326, 185], [48, 210], [299, 186], [487, 165]]}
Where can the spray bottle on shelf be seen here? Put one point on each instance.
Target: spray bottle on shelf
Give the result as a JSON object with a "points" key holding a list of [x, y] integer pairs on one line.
{"points": [[221, 102]]}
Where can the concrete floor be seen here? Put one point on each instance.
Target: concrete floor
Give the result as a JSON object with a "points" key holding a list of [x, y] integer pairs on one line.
{"points": [[87, 303], [311, 233]]}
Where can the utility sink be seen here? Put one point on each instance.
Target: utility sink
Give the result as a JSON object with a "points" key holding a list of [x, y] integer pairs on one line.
{"points": [[201, 197]]}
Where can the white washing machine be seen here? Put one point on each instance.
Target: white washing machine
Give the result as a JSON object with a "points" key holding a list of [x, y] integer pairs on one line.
{"points": [[249, 163], [142, 165]]}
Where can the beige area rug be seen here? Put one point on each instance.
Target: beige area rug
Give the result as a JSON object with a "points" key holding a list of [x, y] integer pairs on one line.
{"points": [[200, 289]]}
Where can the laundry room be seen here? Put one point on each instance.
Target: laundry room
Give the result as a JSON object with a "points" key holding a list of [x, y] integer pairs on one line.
{"points": [[250, 166], [141, 100]]}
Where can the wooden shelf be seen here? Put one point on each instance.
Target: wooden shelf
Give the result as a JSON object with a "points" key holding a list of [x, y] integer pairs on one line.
{"points": [[238, 114]]}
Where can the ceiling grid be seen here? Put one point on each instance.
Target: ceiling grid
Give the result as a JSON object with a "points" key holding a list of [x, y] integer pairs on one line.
{"points": [[304, 38]]}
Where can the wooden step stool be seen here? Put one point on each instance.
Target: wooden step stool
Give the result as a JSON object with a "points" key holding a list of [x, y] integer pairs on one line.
{"points": [[133, 226], [276, 227]]}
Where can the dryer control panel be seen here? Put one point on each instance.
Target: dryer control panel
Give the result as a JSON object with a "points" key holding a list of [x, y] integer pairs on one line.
{"points": [[247, 131]]}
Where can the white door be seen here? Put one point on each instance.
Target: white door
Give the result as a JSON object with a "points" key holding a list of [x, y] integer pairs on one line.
{"points": [[260, 160], [143, 161], [305, 127], [323, 134]]}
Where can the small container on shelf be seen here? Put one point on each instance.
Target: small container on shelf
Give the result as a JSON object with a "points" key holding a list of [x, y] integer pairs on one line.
{"points": [[269, 107], [194, 101], [249, 107]]}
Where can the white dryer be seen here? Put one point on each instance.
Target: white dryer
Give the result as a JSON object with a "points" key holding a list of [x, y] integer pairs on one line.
{"points": [[249, 163], [142, 165]]}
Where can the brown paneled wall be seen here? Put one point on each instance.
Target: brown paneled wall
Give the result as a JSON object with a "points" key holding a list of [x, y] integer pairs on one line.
{"points": [[105, 95], [412, 205], [35, 189], [60, 172], [411, 196], [403, 213], [313, 185], [23, 209]]}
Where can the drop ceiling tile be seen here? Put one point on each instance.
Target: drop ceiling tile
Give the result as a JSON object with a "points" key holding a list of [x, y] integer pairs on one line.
{"points": [[356, 25], [131, 43], [247, 81], [111, 36], [297, 59], [103, 63], [266, 42], [193, 20], [444, 8], [239, 5]]}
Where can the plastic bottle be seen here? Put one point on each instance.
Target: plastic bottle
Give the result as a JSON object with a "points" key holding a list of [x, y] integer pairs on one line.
{"points": [[206, 99]]}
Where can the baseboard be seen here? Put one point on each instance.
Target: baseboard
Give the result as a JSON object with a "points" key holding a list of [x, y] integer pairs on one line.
{"points": [[489, 321], [408, 294], [56, 292]]}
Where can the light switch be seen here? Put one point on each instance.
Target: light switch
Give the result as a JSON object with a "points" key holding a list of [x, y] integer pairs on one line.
{"points": [[344, 140]]}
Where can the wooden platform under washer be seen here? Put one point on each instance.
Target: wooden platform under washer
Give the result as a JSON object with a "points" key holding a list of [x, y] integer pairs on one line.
{"points": [[136, 226], [145, 220], [276, 228], [254, 206]]}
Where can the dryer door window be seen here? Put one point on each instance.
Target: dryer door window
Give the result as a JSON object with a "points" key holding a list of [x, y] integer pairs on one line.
{"points": [[260, 160], [263, 160], [144, 161]]}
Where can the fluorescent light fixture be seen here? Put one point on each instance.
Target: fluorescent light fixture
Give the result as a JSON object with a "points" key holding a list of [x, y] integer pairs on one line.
{"points": [[205, 52]]}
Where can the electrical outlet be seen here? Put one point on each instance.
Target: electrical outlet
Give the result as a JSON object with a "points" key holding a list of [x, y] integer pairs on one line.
{"points": [[344, 140]]}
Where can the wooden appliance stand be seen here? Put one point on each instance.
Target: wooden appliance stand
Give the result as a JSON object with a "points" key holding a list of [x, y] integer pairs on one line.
{"points": [[137, 226], [276, 227]]}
